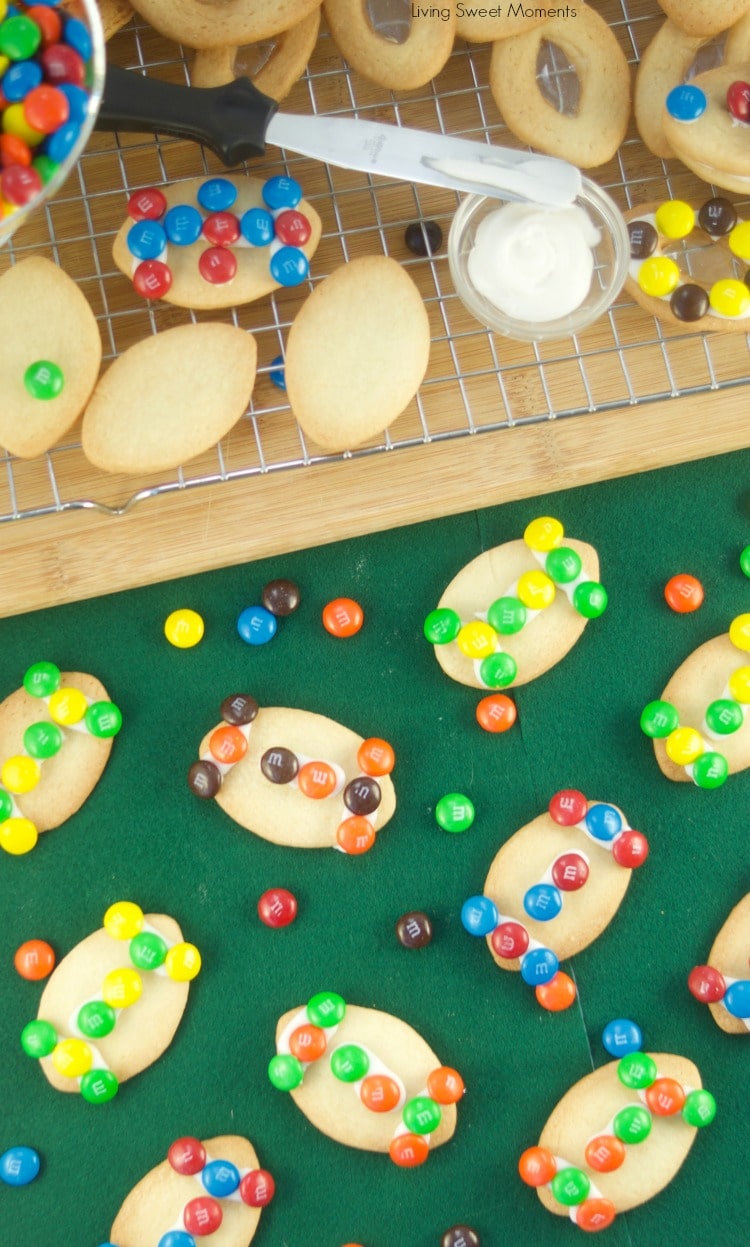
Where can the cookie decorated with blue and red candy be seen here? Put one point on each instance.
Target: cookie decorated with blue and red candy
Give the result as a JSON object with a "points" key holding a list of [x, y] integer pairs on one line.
{"points": [[217, 242]]}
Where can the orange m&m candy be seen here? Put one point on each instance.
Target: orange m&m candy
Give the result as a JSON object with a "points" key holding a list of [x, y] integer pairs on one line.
{"points": [[408, 1150], [379, 1093], [445, 1085], [307, 1043], [558, 994], [375, 757], [537, 1166], [316, 780], [605, 1153], [227, 744], [496, 713], [355, 835], [595, 1214], [683, 593], [343, 617], [34, 960], [665, 1097]]}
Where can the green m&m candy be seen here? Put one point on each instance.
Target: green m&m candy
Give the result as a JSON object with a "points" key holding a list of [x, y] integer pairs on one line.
{"points": [[19, 37], [454, 812], [636, 1071], [285, 1071], [147, 950], [699, 1108], [349, 1063], [570, 1186], [96, 1019], [422, 1114], [45, 167], [563, 565], [710, 770], [103, 719], [507, 615], [44, 379], [42, 679], [38, 1038], [724, 716], [632, 1124], [42, 740], [498, 670], [590, 599], [6, 805], [441, 626], [745, 560], [659, 719], [99, 1085], [326, 1009]]}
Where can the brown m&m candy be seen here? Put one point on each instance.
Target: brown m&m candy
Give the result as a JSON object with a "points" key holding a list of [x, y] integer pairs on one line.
{"points": [[238, 709], [414, 929], [643, 239], [460, 1236], [362, 795], [204, 779], [279, 765], [689, 302], [717, 217], [281, 597]]}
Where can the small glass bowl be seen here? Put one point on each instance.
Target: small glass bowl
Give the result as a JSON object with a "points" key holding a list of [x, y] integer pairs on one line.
{"points": [[86, 11], [611, 260]]}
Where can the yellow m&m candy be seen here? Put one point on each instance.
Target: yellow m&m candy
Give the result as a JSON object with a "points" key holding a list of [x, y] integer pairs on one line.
{"points": [[684, 745], [658, 276], [536, 590], [183, 962], [739, 632], [20, 774], [675, 219], [729, 297], [123, 920], [72, 1058], [543, 534], [183, 629], [14, 122], [18, 835], [122, 988], [67, 706], [739, 685], [739, 241], [476, 639]]}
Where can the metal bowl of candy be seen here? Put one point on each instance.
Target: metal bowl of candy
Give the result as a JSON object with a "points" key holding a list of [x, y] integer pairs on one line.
{"points": [[535, 273], [52, 69]]}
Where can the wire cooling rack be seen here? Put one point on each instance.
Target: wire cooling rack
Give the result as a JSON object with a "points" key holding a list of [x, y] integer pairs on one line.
{"points": [[477, 383]]}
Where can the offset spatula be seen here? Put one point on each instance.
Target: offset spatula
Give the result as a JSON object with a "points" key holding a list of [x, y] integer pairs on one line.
{"points": [[236, 122]]}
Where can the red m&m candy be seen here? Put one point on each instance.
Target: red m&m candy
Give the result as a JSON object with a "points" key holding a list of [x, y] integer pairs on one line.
{"points": [[292, 227], [630, 849], [217, 265], [738, 101], [202, 1216], [277, 907], [510, 940], [257, 1188], [147, 205], [152, 279], [706, 984], [187, 1155], [568, 807]]}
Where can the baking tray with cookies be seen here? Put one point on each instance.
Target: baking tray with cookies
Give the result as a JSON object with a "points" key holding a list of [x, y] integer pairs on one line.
{"points": [[329, 523]]}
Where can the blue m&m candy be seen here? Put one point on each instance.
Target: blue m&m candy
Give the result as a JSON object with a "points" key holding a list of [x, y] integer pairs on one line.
{"points": [[78, 101], [217, 194], [60, 144], [543, 902], [176, 1238], [621, 1037], [289, 266], [277, 372], [603, 822], [686, 102], [19, 1166], [256, 625], [146, 240], [539, 966], [256, 225], [479, 915], [21, 78], [220, 1178], [183, 225], [76, 35], [281, 192], [737, 999]]}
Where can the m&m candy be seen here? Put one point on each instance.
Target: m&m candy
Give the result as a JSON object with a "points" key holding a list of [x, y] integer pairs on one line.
{"points": [[277, 907], [496, 713], [34, 960], [19, 1166], [256, 625], [621, 1037], [454, 812], [683, 593], [184, 628]]}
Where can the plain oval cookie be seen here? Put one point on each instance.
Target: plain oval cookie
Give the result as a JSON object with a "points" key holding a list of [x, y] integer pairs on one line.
{"points": [[252, 279], [357, 352], [705, 18], [68, 777], [399, 66], [714, 146], [291, 51], [156, 1203], [586, 1111], [717, 671], [258, 781], [591, 136], [550, 862], [393, 1048], [44, 319], [664, 65], [169, 397], [217, 23], [730, 957], [143, 1030], [497, 580]]}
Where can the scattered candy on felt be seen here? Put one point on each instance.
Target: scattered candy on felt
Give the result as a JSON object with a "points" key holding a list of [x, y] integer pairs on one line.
{"points": [[69, 709], [19, 1166], [257, 625], [480, 638]]}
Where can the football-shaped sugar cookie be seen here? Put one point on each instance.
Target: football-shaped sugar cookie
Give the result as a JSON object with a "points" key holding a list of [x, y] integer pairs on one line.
{"points": [[724, 984]]}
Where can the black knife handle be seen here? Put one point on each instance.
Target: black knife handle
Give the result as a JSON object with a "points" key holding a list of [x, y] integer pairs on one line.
{"points": [[230, 120]]}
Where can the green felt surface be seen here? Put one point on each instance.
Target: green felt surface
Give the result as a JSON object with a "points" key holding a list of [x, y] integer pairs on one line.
{"points": [[143, 836]]}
